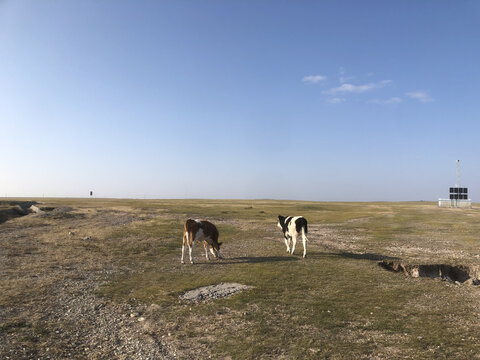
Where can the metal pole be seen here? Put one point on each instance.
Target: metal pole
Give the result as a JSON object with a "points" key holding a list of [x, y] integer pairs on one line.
{"points": [[458, 174]]}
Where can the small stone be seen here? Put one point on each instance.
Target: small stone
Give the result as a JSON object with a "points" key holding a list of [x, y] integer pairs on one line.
{"points": [[141, 318], [86, 238]]}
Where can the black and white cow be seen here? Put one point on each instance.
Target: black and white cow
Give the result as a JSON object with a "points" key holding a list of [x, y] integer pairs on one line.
{"points": [[293, 227]]}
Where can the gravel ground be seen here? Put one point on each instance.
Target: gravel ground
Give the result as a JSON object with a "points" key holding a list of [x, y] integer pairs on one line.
{"points": [[49, 307]]}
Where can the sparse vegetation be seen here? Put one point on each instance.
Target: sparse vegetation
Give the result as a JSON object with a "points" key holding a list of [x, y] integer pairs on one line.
{"points": [[336, 303]]}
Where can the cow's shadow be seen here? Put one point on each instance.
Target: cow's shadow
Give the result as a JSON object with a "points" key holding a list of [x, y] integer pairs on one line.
{"points": [[311, 255], [352, 255], [367, 256], [259, 259]]}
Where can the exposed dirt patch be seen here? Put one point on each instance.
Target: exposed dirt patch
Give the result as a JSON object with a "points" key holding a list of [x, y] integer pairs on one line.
{"points": [[13, 209], [49, 275], [453, 273], [211, 292]]}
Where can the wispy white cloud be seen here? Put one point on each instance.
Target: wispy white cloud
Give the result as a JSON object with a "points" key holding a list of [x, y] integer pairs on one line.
{"points": [[392, 100], [350, 88], [313, 79], [336, 100], [342, 78], [349, 85], [419, 95]]}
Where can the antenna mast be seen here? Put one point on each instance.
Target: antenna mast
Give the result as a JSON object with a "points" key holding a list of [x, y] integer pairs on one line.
{"points": [[458, 174]]}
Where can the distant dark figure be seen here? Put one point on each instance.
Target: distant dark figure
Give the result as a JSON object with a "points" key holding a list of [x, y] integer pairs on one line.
{"points": [[293, 227]]}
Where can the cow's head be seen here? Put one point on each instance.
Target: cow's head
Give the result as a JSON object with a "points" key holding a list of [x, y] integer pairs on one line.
{"points": [[215, 250], [281, 221]]}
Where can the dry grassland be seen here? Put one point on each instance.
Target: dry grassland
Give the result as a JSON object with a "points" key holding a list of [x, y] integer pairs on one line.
{"points": [[102, 280]]}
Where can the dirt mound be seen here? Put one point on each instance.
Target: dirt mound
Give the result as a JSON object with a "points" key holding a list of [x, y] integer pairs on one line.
{"points": [[213, 292], [13, 209], [453, 273]]}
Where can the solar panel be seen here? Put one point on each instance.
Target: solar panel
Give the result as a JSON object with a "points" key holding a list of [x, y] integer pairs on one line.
{"points": [[458, 193]]}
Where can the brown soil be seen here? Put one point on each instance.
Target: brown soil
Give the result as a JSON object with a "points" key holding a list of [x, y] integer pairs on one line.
{"points": [[50, 268], [453, 273]]}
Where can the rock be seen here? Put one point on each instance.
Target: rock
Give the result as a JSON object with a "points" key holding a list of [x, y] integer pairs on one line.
{"points": [[36, 209], [86, 238], [214, 292]]}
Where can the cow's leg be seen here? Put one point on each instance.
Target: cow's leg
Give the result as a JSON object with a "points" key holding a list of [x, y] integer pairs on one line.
{"points": [[190, 248], [304, 239], [185, 240], [294, 242], [205, 245], [216, 254], [287, 243]]}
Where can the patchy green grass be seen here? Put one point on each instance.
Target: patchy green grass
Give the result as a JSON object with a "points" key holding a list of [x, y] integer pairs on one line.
{"points": [[337, 303], [333, 304]]}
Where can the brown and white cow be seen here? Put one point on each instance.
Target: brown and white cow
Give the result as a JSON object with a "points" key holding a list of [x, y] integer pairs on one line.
{"points": [[194, 230]]}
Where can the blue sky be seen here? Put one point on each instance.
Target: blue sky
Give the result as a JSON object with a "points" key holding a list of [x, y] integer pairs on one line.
{"points": [[308, 100]]}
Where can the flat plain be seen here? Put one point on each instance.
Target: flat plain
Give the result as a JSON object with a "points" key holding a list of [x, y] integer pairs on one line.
{"points": [[101, 279]]}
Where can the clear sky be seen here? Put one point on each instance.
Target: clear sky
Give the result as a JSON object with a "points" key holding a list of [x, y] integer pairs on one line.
{"points": [[309, 100]]}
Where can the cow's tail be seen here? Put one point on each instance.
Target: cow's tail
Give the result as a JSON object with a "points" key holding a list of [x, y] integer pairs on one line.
{"points": [[304, 232]]}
